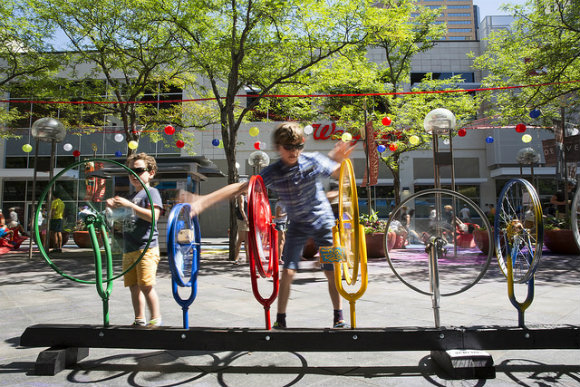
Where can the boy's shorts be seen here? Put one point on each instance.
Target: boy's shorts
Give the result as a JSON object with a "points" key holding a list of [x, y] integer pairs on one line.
{"points": [[145, 272], [296, 238]]}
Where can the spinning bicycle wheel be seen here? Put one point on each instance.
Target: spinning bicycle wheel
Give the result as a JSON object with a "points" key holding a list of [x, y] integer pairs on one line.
{"points": [[461, 263], [519, 229], [88, 184], [575, 217], [183, 245], [348, 222], [183, 253], [262, 245]]}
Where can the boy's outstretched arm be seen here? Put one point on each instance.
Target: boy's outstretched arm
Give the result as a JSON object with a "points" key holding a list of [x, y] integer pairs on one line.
{"points": [[341, 151], [200, 203]]}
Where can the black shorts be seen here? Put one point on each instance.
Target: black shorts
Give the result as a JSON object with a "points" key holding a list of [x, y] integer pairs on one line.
{"points": [[56, 225]]}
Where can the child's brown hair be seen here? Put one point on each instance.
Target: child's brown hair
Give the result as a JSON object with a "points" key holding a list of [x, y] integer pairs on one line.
{"points": [[288, 133]]}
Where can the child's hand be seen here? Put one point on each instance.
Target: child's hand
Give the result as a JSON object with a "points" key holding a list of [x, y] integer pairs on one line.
{"points": [[341, 151], [119, 201]]}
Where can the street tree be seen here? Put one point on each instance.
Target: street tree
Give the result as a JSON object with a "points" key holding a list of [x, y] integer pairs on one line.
{"points": [[26, 56], [540, 51], [125, 55], [256, 46]]}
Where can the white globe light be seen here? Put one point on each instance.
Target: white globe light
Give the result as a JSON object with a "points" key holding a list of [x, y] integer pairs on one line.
{"points": [[308, 129], [237, 165], [439, 121], [119, 137], [67, 147]]}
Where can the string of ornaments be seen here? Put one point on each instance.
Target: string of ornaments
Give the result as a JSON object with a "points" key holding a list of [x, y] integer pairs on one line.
{"points": [[255, 131]]}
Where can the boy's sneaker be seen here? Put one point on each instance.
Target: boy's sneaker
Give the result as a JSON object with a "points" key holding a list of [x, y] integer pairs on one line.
{"points": [[279, 325], [139, 322], [154, 323], [341, 324]]}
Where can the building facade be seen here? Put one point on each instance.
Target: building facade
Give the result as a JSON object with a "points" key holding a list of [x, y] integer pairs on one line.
{"points": [[485, 167]]}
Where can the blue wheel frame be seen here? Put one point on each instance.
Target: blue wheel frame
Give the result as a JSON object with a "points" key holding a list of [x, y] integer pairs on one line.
{"points": [[183, 254]]}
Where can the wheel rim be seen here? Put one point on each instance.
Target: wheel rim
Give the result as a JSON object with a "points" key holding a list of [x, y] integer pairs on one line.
{"points": [[348, 222], [260, 219], [94, 185], [183, 245], [462, 265], [519, 229]]}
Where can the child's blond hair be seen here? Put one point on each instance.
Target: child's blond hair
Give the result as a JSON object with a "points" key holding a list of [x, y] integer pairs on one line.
{"points": [[149, 161]]}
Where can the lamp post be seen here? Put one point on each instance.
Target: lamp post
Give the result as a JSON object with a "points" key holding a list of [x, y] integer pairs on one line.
{"points": [[51, 130]]}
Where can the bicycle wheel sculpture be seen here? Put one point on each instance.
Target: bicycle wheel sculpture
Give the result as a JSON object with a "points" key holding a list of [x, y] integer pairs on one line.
{"points": [[349, 251], [88, 184], [575, 217], [519, 229], [434, 222], [263, 238], [183, 254]]}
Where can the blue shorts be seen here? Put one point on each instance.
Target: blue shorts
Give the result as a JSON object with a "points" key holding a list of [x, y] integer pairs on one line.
{"points": [[296, 238]]}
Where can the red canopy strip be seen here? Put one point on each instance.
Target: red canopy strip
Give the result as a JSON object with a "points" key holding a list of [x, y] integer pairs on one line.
{"points": [[295, 95]]}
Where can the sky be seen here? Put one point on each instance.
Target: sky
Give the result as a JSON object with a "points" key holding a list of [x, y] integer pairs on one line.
{"points": [[491, 7]]}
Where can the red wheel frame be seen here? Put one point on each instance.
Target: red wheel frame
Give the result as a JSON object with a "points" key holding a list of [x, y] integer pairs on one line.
{"points": [[263, 238]]}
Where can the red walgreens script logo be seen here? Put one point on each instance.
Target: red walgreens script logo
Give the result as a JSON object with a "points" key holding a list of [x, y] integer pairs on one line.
{"points": [[325, 132]]}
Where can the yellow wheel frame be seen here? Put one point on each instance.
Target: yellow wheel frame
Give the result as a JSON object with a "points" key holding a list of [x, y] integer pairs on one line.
{"points": [[349, 235]]}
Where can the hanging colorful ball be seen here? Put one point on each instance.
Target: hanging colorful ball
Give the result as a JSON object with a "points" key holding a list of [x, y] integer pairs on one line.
{"points": [[76, 153], [67, 147], [526, 138], [489, 139], [386, 121], [308, 129], [346, 137], [461, 132], [118, 154], [179, 143], [414, 140], [520, 128], [26, 148], [257, 145], [254, 131], [393, 147], [535, 113], [119, 137], [446, 141], [169, 130], [133, 144], [381, 148], [215, 142], [221, 145]]}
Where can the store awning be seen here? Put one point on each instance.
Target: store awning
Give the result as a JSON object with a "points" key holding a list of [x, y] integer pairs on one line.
{"points": [[28, 174], [446, 181], [526, 171]]}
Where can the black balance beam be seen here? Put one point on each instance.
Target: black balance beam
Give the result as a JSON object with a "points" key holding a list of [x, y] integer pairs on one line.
{"points": [[307, 340]]}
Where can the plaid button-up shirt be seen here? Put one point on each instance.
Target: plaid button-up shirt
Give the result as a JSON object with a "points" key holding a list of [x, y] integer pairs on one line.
{"points": [[300, 189]]}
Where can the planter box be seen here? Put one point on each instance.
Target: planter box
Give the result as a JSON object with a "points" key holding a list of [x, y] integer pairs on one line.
{"points": [[375, 245], [561, 241], [481, 239], [82, 239]]}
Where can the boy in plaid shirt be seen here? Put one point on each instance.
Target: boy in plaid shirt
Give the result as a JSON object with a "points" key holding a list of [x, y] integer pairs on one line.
{"points": [[296, 180]]}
